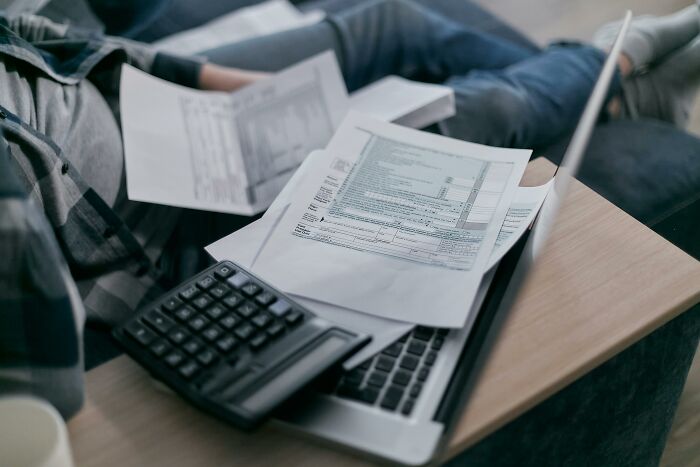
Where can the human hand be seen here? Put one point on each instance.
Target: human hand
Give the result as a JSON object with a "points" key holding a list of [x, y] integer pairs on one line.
{"points": [[218, 78]]}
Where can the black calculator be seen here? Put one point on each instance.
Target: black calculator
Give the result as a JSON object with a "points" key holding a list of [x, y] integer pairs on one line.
{"points": [[232, 345]]}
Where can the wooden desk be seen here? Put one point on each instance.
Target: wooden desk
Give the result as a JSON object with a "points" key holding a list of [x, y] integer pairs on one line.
{"points": [[604, 282]]}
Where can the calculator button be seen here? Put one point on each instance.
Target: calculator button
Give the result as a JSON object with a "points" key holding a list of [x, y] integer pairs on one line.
{"points": [[251, 289], [238, 280], [377, 378], [415, 390], [437, 343], [294, 318], [258, 341], [431, 357], [159, 321], [401, 378], [160, 348], [280, 308], [416, 347], [232, 301], [229, 321], [392, 397], [394, 350], [140, 333], [212, 333], [385, 363], [224, 271], [171, 304], [275, 330], [219, 291], [247, 310], [423, 374], [178, 335], [189, 369], [184, 313], [197, 323], [174, 358], [206, 283], [202, 301], [190, 293], [423, 333], [265, 298], [407, 407], [244, 331], [409, 362], [192, 346], [226, 343], [262, 320], [215, 311], [206, 357]]}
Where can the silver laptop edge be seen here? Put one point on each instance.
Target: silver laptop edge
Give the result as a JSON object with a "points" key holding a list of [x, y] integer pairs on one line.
{"points": [[418, 438]]}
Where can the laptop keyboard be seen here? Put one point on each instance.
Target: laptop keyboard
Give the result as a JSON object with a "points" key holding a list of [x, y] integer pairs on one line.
{"points": [[394, 378]]}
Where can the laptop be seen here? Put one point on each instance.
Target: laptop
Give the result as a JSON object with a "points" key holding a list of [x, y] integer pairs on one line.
{"points": [[403, 404]]}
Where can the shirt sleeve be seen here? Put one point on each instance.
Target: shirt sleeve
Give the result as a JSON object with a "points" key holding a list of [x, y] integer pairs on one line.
{"points": [[41, 314]]}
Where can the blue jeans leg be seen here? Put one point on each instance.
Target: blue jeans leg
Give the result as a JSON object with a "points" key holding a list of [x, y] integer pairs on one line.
{"points": [[527, 105], [378, 38]]}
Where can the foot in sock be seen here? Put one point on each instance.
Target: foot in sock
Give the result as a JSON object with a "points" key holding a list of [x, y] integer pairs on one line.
{"points": [[667, 91], [651, 39]]}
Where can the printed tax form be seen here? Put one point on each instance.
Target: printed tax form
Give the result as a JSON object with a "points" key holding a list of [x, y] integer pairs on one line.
{"points": [[399, 224], [226, 152]]}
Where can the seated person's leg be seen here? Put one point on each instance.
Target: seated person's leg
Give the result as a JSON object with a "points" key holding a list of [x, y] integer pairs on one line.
{"points": [[376, 39]]}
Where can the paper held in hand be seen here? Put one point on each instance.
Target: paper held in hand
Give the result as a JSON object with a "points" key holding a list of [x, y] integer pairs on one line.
{"points": [[399, 223]]}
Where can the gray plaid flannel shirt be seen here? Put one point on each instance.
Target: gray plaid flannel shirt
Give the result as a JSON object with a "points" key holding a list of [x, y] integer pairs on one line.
{"points": [[54, 229]]}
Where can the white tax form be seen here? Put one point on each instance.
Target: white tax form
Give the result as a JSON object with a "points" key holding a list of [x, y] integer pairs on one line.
{"points": [[399, 224], [226, 152]]}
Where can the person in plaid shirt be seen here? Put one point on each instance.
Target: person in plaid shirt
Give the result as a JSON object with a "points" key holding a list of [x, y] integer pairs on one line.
{"points": [[75, 249]]}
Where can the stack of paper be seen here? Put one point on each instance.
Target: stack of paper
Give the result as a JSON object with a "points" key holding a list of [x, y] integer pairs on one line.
{"points": [[254, 21], [233, 152], [388, 228]]}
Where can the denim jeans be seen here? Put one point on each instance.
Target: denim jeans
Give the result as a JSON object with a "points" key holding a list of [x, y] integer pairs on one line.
{"points": [[506, 95]]}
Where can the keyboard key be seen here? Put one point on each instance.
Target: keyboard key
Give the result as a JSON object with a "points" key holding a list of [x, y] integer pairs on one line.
{"points": [[229, 321], [385, 363], [415, 390], [437, 343], [238, 280], [392, 397], [294, 318], [244, 331], [197, 323], [190, 293], [355, 377], [369, 395], [377, 379], [280, 308], [423, 333], [394, 350], [275, 330], [193, 346], [178, 335], [407, 407], [223, 271], [232, 301], [430, 358], [184, 313], [409, 362], [215, 311], [265, 298], [202, 301], [174, 358], [258, 341], [423, 374], [160, 348], [226, 343], [401, 378], [171, 304], [189, 369], [219, 291], [206, 357], [416, 347], [158, 321], [251, 289], [140, 333], [247, 310], [262, 320], [206, 283], [212, 333]]}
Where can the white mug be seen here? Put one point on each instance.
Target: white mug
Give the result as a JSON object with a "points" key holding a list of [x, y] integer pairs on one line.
{"points": [[32, 434]]}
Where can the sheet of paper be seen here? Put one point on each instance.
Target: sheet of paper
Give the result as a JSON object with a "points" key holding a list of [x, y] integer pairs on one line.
{"points": [[404, 102], [226, 152], [399, 223], [521, 213], [246, 23]]}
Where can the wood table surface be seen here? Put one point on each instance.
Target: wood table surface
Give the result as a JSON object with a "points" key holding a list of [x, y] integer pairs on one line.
{"points": [[604, 282]]}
